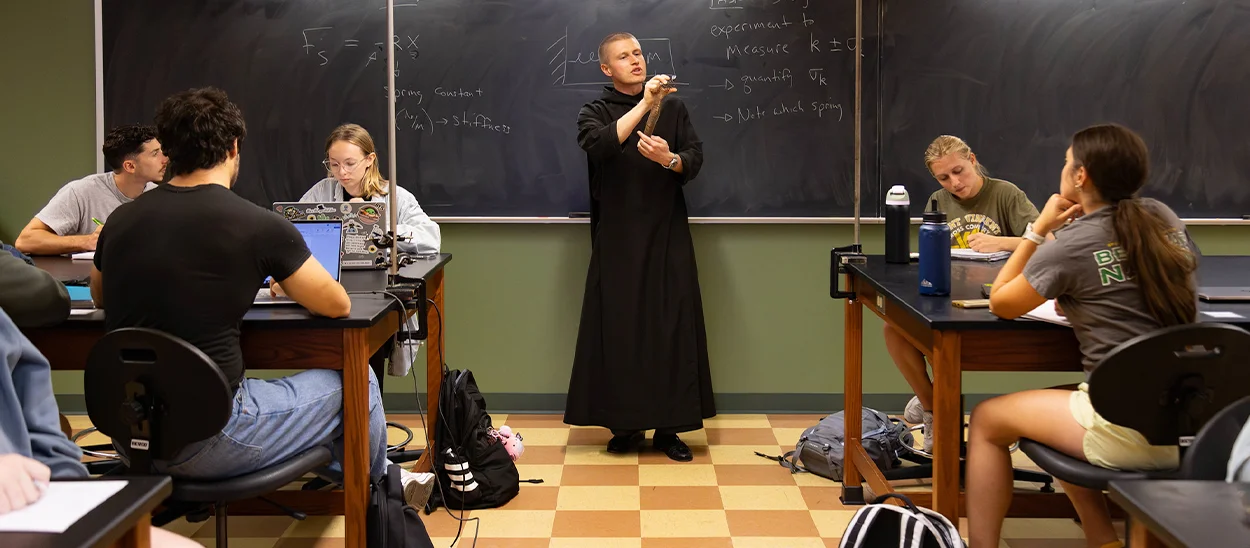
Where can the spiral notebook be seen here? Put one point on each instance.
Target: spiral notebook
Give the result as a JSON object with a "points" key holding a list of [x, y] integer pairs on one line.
{"points": [[972, 255]]}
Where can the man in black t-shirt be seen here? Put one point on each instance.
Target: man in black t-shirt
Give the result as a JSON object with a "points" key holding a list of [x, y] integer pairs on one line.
{"points": [[187, 258]]}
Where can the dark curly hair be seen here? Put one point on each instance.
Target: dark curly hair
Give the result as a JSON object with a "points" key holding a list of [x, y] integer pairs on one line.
{"points": [[125, 141], [198, 128]]}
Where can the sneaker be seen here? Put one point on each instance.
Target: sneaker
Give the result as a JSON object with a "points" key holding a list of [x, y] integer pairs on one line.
{"points": [[915, 414], [417, 487], [928, 432]]}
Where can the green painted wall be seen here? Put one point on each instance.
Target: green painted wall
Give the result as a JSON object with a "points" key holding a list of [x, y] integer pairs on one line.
{"points": [[513, 292]]}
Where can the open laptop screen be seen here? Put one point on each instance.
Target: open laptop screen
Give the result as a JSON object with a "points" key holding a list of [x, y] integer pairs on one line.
{"points": [[325, 240]]}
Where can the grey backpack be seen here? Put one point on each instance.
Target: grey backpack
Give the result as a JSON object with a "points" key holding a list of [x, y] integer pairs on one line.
{"points": [[820, 447]]}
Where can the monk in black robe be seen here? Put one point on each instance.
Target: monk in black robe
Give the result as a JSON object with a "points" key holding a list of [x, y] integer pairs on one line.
{"points": [[641, 361]]}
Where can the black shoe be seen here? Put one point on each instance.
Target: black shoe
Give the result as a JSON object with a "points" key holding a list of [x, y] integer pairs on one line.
{"points": [[674, 448], [625, 443]]}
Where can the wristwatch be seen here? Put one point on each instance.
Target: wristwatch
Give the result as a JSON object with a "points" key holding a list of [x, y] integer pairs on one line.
{"points": [[1033, 236], [672, 163]]}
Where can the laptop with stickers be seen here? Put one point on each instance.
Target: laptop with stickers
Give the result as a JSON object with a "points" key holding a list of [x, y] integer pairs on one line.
{"points": [[361, 220], [325, 241]]}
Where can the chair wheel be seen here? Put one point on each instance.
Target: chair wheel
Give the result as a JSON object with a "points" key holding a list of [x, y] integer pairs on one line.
{"points": [[1048, 488]]}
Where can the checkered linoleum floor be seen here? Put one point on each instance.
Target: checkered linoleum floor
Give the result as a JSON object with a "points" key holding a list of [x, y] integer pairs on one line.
{"points": [[726, 498]]}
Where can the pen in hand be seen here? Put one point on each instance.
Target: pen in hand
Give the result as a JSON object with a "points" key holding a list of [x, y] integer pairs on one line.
{"points": [[97, 221]]}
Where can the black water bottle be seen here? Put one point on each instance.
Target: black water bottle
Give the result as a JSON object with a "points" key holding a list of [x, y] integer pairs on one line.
{"points": [[897, 226]]}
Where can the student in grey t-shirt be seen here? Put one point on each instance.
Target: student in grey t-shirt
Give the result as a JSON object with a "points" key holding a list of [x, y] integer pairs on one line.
{"points": [[71, 221], [1125, 268]]}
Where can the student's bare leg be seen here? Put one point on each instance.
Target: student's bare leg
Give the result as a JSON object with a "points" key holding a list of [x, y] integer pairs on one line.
{"points": [[910, 363], [1091, 506], [168, 539], [1040, 415]]}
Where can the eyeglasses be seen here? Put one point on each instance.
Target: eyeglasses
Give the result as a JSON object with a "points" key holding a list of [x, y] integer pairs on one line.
{"points": [[348, 166]]}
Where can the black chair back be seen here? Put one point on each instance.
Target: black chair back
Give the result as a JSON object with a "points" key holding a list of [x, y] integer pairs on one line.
{"points": [[1207, 458], [1169, 383], [154, 394]]}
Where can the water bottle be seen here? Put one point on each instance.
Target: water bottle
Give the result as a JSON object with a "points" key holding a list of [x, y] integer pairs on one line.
{"points": [[935, 253], [897, 226]]}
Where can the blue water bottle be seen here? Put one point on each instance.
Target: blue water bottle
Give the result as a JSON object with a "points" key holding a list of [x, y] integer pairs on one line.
{"points": [[935, 253]]}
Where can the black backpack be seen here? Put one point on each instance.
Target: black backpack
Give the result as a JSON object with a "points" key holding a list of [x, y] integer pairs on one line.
{"points": [[391, 522], [474, 469], [880, 525]]}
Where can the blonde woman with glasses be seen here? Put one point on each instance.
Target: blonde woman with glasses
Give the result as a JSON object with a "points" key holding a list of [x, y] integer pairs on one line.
{"points": [[353, 176]]}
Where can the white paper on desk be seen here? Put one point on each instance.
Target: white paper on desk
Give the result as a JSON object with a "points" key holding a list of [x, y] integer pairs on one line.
{"points": [[1046, 313], [1225, 315], [80, 311], [84, 256], [63, 503], [973, 255]]}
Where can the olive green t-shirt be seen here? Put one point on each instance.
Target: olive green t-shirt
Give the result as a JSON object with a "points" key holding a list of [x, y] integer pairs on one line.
{"points": [[1000, 209]]}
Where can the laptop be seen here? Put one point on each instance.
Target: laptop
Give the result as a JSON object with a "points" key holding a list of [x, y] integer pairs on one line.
{"points": [[1224, 294], [361, 220], [325, 241]]}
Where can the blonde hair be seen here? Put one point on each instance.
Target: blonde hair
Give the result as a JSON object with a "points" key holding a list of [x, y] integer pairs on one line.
{"points": [[374, 184], [949, 144]]}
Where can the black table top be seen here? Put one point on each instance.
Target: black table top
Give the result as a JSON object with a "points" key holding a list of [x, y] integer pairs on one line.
{"points": [[367, 308], [105, 524], [1188, 513], [900, 283]]}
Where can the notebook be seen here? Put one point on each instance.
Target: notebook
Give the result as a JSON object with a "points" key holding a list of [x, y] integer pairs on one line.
{"points": [[1224, 294], [971, 255], [325, 241], [1046, 313], [361, 220]]}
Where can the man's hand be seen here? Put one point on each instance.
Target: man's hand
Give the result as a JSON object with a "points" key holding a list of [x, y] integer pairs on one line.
{"points": [[655, 90], [21, 482], [654, 148]]}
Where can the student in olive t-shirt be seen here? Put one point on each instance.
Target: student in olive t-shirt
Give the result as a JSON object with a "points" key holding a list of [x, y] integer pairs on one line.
{"points": [[1127, 267], [188, 257]]}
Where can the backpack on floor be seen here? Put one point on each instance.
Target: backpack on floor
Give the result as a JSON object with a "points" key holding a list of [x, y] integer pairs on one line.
{"points": [[821, 448], [473, 467], [880, 525], [391, 522]]}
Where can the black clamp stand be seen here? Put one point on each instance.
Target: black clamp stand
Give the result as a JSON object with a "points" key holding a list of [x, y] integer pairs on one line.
{"points": [[839, 257]]}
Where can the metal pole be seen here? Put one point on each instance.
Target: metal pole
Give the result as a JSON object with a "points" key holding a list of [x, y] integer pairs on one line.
{"points": [[859, 85], [393, 212]]}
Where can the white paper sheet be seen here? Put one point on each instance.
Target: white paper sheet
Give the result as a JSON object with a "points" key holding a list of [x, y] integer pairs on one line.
{"points": [[63, 503], [1046, 313], [1225, 315]]}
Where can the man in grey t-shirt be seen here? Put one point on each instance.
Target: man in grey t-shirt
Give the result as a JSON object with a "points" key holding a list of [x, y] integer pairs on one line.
{"points": [[71, 221]]}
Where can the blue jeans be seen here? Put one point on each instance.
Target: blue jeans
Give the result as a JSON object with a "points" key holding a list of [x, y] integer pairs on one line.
{"points": [[274, 420]]}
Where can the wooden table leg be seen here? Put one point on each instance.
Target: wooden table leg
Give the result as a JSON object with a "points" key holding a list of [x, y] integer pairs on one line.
{"points": [[947, 424], [1139, 536], [356, 461], [433, 365], [853, 390], [139, 535]]}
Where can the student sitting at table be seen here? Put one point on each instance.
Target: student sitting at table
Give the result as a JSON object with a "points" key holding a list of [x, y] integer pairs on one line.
{"points": [[353, 175], [30, 296], [33, 450], [1124, 268], [985, 214], [71, 221], [198, 275]]}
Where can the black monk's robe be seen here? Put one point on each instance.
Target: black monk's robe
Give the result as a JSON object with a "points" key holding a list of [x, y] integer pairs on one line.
{"points": [[641, 359]]}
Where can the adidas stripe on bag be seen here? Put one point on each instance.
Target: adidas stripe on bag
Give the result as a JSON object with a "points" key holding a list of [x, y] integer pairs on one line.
{"points": [[458, 472], [880, 525]]}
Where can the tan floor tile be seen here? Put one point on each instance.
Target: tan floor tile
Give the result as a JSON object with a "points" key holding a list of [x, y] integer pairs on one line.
{"points": [[737, 421], [329, 542], [440, 524], [590, 436], [745, 454], [753, 474], [498, 419], [598, 498], [794, 421], [596, 454], [808, 479], [184, 528], [740, 436], [600, 474], [534, 437], [597, 523], [762, 498], [771, 523], [787, 436], [1043, 543], [549, 473], [596, 542], [684, 523], [534, 497], [681, 498], [394, 437], [542, 455], [825, 498], [310, 527], [498, 523], [837, 542], [466, 540], [777, 542], [676, 475], [1041, 528], [250, 526], [248, 542], [518, 420], [832, 523], [699, 452], [723, 542]]}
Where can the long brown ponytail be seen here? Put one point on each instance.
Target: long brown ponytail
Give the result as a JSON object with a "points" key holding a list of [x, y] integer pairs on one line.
{"points": [[1117, 162]]}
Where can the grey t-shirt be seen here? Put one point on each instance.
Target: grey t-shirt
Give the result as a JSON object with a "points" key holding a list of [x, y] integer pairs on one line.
{"points": [[1084, 268], [69, 212]]}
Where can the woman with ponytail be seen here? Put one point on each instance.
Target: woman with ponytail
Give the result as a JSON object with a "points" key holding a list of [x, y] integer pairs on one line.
{"points": [[1119, 265]]}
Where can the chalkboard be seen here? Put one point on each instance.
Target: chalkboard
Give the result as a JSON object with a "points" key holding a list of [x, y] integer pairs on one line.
{"points": [[489, 90], [1017, 78]]}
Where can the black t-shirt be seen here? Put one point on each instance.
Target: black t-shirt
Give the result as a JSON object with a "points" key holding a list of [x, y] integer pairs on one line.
{"points": [[188, 261]]}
